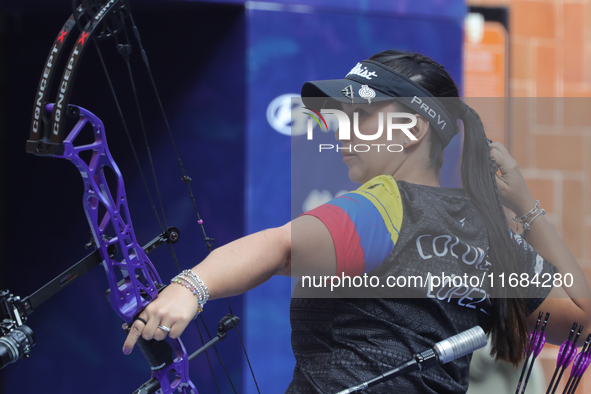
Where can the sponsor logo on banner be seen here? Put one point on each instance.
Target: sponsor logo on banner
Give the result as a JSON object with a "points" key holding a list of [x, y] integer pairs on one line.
{"points": [[286, 115], [279, 115]]}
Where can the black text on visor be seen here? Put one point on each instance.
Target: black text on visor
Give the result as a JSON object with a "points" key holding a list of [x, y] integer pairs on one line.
{"points": [[370, 81]]}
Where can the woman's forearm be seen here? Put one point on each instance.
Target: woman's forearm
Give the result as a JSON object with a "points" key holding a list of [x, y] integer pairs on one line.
{"points": [[548, 244], [246, 263], [566, 303]]}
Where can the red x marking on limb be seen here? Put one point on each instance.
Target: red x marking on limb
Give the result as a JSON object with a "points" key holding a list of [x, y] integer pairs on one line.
{"points": [[83, 38], [62, 35]]}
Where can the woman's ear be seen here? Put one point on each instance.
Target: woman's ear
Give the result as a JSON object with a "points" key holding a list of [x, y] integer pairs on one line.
{"points": [[419, 131]]}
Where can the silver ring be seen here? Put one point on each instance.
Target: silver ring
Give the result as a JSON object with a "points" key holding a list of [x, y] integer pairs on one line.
{"points": [[164, 328]]}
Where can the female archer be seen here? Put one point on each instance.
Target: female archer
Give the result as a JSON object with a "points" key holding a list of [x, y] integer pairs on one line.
{"points": [[399, 223]]}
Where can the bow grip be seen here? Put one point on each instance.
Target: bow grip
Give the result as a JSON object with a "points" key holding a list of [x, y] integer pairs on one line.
{"points": [[158, 353]]}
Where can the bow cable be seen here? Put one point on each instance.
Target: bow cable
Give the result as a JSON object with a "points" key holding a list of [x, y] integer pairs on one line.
{"points": [[155, 210], [125, 50], [144, 181], [209, 242]]}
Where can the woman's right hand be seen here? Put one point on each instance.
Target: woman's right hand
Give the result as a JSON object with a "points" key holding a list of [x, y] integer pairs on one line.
{"points": [[512, 187]]}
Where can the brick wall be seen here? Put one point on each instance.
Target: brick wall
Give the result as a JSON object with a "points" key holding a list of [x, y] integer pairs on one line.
{"points": [[550, 56]]}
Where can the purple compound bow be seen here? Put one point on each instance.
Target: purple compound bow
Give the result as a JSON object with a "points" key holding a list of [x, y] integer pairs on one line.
{"points": [[107, 212], [133, 280]]}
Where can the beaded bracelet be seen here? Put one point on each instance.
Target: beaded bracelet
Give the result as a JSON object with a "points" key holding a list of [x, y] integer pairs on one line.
{"points": [[199, 282], [189, 286], [197, 290], [191, 281], [200, 286]]}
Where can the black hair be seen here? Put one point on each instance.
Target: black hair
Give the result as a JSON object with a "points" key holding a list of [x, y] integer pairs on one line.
{"points": [[507, 329]]}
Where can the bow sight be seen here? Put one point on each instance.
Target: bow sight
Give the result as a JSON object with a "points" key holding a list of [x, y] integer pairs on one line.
{"points": [[17, 339]]}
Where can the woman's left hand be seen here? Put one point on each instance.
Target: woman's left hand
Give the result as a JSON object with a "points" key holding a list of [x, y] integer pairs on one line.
{"points": [[174, 308]]}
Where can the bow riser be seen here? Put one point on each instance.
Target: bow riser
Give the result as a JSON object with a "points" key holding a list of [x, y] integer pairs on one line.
{"points": [[108, 217]]}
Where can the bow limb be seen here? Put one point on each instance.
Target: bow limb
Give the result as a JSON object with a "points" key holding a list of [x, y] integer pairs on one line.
{"points": [[40, 120], [47, 141]]}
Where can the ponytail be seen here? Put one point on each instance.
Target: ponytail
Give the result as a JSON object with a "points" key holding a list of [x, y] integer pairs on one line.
{"points": [[508, 328]]}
